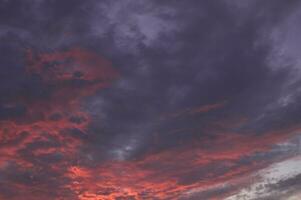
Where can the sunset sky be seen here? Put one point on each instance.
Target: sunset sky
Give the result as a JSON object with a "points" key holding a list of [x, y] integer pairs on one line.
{"points": [[150, 100]]}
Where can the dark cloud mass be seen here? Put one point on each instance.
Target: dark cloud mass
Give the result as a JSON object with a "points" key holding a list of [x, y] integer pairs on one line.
{"points": [[105, 100]]}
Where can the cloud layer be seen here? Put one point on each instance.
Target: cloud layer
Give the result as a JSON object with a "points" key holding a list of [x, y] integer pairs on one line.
{"points": [[149, 100]]}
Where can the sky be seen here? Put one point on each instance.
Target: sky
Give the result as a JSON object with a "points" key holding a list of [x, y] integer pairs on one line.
{"points": [[150, 100]]}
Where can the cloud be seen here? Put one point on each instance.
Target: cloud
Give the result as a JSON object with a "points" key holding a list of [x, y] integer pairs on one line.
{"points": [[146, 100], [279, 180]]}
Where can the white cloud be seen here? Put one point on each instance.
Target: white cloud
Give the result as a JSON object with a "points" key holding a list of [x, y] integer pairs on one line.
{"points": [[268, 177]]}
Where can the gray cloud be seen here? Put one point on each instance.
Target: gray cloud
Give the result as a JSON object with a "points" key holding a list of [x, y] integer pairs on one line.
{"points": [[172, 56]]}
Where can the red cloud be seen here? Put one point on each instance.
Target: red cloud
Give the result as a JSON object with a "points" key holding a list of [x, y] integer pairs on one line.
{"points": [[77, 73], [71, 75], [160, 175]]}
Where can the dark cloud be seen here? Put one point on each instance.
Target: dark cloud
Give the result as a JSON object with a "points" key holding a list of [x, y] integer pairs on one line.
{"points": [[289, 184], [172, 95], [210, 58]]}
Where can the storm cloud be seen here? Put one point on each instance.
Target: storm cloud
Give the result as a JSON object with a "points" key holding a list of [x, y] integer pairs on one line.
{"points": [[149, 99]]}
